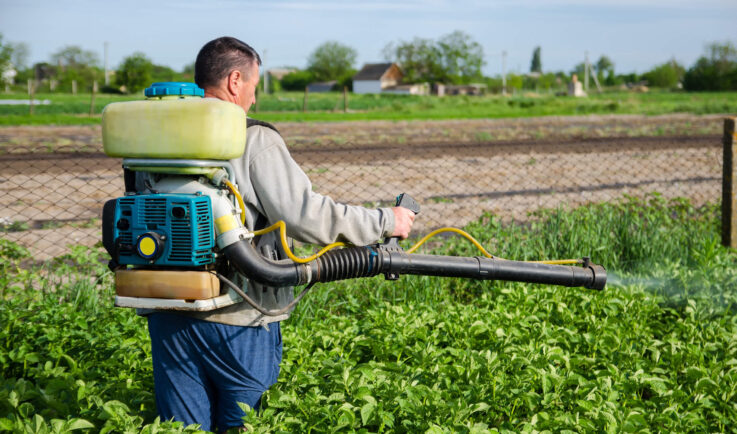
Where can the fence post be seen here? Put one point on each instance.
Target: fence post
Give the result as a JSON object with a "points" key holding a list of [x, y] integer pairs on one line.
{"points": [[74, 87], [31, 91], [92, 98], [729, 184], [345, 99], [304, 102]]}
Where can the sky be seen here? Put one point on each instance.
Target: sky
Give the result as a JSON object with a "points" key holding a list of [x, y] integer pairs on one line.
{"points": [[635, 34]]}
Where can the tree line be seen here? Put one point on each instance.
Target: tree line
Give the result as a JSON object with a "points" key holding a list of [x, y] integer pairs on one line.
{"points": [[455, 58]]}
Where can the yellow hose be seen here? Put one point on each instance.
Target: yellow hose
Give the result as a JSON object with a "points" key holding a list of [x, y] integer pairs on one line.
{"points": [[285, 244], [478, 245], [464, 234], [283, 236], [239, 198]]}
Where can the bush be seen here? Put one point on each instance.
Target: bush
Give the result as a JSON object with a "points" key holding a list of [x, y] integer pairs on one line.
{"points": [[716, 70], [297, 80], [135, 72], [667, 75]]}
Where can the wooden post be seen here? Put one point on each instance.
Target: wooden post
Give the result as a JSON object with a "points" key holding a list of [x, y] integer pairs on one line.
{"points": [[31, 91], [345, 99], [257, 97], [92, 98], [74, 87], [729, 184], [304, 102]]}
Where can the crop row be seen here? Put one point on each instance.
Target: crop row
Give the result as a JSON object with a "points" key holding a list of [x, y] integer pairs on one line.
{"points": [[656, 350]]}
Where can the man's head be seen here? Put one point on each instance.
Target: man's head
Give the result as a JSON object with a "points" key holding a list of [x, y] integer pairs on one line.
{"points": [[227, 68]]}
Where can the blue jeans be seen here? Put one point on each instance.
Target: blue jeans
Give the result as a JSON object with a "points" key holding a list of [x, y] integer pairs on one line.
{"points": [[203, 369]]}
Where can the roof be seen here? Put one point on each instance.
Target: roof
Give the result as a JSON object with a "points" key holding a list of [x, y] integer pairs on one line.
{"points": [[322, 86], [372, 71], [279, 73]]}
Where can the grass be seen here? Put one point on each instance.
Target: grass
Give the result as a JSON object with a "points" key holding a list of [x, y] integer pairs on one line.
{"points": [[287, 106], [654, 351]]}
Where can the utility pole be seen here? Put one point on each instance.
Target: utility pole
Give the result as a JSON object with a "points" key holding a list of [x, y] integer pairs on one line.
{"points": [[504, 72], [586, 71], [107, 71]]}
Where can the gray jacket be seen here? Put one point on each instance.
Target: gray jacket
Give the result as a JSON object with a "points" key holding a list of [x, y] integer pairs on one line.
{"points": [[274, 186]]}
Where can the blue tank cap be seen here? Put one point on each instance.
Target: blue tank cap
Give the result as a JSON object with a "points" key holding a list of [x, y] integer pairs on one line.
{"points": [[174, 88]]}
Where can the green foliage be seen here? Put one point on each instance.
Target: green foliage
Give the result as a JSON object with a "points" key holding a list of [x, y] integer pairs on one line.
{"points": [[70, 64], [667, 75], [73, 56], [715, 70], [419, 59], [604, 66], [67, 109], [297, 80], [454, 58], [461, 58], [162, 73], [654, 351], [6, 52], [331, 61], [536, 63], [135, 72]]}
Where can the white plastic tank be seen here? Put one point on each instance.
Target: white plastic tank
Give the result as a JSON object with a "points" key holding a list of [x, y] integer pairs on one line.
{"points": [[174, 122]]}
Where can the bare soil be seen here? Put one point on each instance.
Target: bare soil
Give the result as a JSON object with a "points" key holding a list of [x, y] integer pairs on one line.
{"points": [[54, 180]]}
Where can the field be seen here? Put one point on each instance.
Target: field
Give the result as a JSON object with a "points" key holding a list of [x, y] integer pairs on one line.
{"points": [[287, 106], [654, 351]]}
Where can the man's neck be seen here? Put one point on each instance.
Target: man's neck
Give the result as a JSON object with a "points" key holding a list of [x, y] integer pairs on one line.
{"points": [[219, 94]]}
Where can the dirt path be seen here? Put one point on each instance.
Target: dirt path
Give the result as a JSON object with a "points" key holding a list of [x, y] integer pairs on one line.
{"points": [[507, 167]]}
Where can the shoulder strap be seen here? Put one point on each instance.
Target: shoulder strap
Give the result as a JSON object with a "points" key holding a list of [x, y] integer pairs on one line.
{"points": [[250, 122]]}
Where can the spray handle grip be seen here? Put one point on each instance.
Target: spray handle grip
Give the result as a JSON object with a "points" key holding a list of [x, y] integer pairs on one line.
{"points": [[391, 244], [406, 201]]}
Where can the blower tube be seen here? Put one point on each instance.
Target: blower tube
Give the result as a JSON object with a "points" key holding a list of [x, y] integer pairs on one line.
{"points": [[367, 261]]}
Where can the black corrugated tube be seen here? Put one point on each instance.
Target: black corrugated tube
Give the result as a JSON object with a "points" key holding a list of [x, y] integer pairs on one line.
{"points": [[357, 262], [348, 263]]}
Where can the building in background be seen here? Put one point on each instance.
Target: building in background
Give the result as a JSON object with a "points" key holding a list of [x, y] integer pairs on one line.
{"points": [[376, 77]]}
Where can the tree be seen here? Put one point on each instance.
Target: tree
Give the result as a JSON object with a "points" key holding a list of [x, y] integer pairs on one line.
{"points": [[162, 73], [73, 56], [536, 64], [331, 61], [454, 58], [6, 54], [419, 59], [666, 75], [461, 57], [74, 64], [579, 70], [715, 70], [135, 72], [604, 65], [19, 54]]}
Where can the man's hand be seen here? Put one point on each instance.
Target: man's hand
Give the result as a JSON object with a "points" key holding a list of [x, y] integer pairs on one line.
{"points": [[403, 219]]}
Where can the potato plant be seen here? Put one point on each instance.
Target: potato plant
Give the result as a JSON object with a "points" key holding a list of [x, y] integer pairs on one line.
{"points": [[655, 351]]}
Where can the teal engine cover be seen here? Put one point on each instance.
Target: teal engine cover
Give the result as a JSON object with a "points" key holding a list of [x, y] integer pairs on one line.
{"points": [[162, 230]]}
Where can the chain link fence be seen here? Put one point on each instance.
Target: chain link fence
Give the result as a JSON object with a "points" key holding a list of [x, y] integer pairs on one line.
{"points": [[52, 196]]}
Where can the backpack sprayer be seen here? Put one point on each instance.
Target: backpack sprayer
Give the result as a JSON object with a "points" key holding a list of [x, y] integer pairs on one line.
{"points": [[181, 224]]}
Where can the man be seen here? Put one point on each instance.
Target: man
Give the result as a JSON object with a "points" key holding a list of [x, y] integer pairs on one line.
{"points": [[205, 363]]}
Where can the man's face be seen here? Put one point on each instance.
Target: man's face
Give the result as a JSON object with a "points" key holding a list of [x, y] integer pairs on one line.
{"points": [[247, 88]]}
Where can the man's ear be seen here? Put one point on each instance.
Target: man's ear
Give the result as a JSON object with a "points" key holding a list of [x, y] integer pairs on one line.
{"points": [[234, 82]]}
